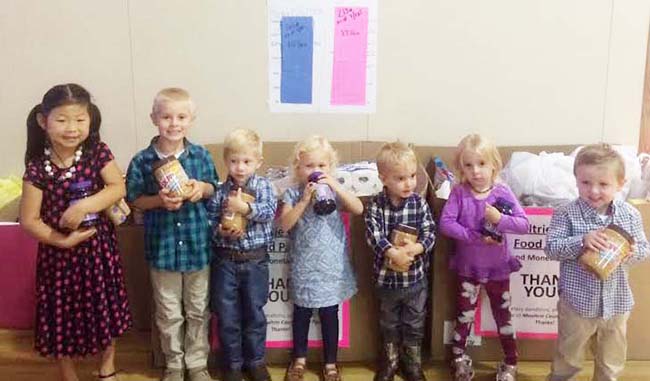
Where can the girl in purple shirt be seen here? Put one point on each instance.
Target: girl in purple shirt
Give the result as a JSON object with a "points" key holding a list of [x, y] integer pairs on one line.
{"points": [[479, 210]]}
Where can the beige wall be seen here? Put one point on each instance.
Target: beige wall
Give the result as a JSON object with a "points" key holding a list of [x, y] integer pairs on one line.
{"points": [[521, 72]]}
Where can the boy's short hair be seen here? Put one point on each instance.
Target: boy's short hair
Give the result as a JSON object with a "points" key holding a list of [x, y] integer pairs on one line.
{"points": [[172, 94], [484, 147], [394, 153], [240, 140], [601, 154]]}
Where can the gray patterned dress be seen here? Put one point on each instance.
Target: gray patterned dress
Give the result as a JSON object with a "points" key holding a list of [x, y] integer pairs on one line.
{"points": [[321, 271]]}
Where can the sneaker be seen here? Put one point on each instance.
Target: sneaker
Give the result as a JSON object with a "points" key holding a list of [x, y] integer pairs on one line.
{"points": [[506, 372], [295, 372], [259, 373], [199, 374], [462, 368], [172, 374]]}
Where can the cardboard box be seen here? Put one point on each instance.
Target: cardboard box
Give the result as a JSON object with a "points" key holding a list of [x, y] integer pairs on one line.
{"points": [[364, 322], [638, 334]]}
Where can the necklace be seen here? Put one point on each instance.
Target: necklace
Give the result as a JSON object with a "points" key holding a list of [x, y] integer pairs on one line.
{"points": [[481, 191], [71, 169]]}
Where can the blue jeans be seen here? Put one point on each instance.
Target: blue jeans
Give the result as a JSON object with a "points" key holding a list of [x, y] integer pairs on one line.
{"points": [[239, 291]]}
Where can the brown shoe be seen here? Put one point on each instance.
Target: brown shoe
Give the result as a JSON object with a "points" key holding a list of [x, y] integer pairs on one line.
{"points": [[332, 374], [295, 372]]}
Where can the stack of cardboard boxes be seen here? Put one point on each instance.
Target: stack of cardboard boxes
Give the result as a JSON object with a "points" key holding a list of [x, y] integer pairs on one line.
{"points": [[364, 338]]}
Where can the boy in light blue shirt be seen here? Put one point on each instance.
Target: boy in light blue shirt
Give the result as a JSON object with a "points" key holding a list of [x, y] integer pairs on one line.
{"points": [[590, 306]]}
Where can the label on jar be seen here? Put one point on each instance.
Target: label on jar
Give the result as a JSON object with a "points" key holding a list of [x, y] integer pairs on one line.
{"points": [[603, 263], [171, 175], [89, 219]]}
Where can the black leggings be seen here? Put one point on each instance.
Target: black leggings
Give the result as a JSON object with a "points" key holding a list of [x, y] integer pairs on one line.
{"points": [[329, 320]]}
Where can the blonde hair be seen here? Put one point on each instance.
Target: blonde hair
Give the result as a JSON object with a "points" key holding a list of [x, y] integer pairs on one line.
{"points": [[312, 144], [172, 94], [240, 140], [392, 154], [482, 146], [601, 154]]}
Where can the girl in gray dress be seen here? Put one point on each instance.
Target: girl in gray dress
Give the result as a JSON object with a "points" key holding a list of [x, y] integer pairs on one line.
{"points": [[321, 272]]}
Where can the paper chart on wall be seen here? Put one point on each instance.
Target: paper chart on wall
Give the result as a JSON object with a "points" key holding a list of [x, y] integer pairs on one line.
{"points": [[322, 55]]}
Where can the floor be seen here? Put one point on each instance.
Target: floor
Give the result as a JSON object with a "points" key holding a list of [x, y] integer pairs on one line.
{"points": [[19, 363]]}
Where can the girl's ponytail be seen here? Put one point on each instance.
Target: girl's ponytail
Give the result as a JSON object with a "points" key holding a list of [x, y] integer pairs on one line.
{"points": [[95, 123], [35, 135]]}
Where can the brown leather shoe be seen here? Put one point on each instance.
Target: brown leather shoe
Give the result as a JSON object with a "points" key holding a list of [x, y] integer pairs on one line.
{"points": [[295, 372]]}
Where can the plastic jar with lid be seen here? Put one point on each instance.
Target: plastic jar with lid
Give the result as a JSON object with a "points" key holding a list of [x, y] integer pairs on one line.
{"points": [[323, 199], [489, 229], [77, 192]]}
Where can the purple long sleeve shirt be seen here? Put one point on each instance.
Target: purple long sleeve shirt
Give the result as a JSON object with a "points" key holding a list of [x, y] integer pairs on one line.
{"points": [[461, 220]]}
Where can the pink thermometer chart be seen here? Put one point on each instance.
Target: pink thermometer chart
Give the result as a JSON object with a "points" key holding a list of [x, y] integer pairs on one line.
{"points": [[533, 289]]}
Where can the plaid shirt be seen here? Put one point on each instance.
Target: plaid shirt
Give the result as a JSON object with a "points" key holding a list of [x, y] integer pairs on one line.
{"points": [[173, 240], [260, 220], [587, 294], [381, 217]]}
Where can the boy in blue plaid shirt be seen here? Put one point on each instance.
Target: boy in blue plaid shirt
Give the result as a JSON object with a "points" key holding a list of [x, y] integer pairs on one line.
{"points": [[400, 271], [177, 236], [240, 272], [590, 308]]}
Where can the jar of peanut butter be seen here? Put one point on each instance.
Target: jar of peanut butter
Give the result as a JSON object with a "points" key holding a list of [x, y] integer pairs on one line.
{"points": [[237, 221], [170, 174], [403, 234], [603, 263]]}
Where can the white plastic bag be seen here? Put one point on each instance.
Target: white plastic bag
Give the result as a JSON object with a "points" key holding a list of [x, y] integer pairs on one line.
{"points": [[640, 187], [541, 180]]}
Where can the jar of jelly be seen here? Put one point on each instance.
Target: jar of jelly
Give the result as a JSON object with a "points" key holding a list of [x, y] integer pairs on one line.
{"points": [[323, 199], [77, 192], [236, 221], [488, 229]]}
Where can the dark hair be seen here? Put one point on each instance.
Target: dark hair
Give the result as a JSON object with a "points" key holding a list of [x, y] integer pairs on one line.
{"points": [[60, 95]]}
